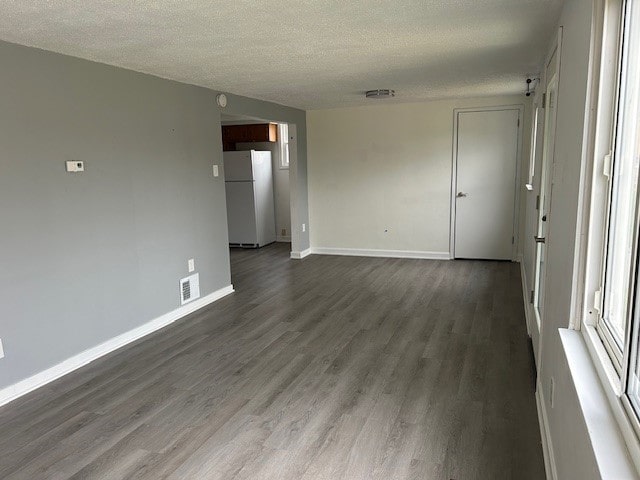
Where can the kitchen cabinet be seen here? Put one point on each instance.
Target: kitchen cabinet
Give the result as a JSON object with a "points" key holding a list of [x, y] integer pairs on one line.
{"points": [[259, 132]]}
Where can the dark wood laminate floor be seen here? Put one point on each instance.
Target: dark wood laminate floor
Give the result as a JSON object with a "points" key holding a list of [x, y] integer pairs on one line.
{"points": [[326, 368]]}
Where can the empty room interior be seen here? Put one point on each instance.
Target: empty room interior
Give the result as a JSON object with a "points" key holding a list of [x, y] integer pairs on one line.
{"points": [[247, 240]]}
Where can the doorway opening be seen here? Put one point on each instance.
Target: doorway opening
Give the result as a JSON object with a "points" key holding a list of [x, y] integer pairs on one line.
{"points": [[258, 156]]}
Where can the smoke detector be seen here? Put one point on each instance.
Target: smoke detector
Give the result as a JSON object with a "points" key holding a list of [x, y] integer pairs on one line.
{"points": [[380, 93]]}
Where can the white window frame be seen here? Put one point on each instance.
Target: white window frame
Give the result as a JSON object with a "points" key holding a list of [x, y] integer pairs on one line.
{"points": [[283, 141], [611, 362], [535, 140]]}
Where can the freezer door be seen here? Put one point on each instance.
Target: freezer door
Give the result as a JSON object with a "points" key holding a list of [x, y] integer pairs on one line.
{"points": [[241, 213], [238, 166]]}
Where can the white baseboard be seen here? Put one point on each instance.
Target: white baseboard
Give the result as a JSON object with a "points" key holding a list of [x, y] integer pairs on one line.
{"points": [[283, 238], [359, 252], [547, 445], [27, 385], [301, 255]]}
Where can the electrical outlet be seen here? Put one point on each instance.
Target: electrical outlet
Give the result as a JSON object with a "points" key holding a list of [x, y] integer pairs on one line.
{"points": [[304, 227], [552, 392], [283, 232], [1, 349], [191, 264]]}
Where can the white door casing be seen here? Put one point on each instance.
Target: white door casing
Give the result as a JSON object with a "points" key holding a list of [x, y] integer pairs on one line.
{"points": [[544, 202], [543, 188]]}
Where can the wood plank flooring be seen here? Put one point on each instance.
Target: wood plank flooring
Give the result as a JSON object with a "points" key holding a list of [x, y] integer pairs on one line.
{"points": [[325, 368]]}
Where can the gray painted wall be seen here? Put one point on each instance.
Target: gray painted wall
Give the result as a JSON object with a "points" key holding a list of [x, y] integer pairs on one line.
{"points": [[86, 257]]}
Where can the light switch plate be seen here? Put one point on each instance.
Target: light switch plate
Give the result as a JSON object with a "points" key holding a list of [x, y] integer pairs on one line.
{"points": [[304, 227], [1, 349], [191, 264], [215, 171]]}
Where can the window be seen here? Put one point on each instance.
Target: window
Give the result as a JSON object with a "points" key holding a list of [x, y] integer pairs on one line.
{"points": [[534, 147], [283, 139], [621, 167], [615, 200], [627, 155]]}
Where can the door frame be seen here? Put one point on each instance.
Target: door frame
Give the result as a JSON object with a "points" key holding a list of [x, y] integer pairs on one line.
{"points": [[544, 193], [535, 328], [294, 194], [296, 206], [454, 174]]}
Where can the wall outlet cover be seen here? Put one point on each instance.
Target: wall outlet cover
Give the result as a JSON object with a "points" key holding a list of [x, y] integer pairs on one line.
{"points": [[1, 349], [191, 265]]}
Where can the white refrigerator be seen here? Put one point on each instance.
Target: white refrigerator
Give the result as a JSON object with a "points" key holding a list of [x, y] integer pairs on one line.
{"points": [[250, 207]]}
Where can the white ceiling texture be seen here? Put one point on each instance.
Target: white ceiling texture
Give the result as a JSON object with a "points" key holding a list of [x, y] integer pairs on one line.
{"points": [[308, 54]]}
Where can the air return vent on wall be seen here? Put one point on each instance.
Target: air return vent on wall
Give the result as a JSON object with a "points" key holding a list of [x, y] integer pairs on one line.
{"points": [[189, 288]]}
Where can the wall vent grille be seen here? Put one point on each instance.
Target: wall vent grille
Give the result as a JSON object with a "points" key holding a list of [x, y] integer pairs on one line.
{"points": [[186, 291], [189, 288]]}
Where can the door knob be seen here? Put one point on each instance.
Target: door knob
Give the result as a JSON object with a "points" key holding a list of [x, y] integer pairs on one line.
{"points": [[539, 239], [461, 194]]}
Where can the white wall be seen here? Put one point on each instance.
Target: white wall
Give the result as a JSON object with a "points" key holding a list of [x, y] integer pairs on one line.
{"points": [[568, 434], [281, 192], [380, 176]]}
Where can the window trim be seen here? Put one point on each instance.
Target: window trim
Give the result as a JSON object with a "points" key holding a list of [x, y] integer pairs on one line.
{"points": [[615, 81], [534, 143], [605, 90], [604, 100], [283, 144]]}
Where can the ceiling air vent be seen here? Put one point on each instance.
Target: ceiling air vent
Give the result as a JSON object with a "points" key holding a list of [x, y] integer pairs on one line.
{"points": [[380, 93], [189, 288]]}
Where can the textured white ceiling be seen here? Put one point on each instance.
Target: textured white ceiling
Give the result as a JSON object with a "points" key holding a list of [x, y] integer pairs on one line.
{"points": [[303, 53]]}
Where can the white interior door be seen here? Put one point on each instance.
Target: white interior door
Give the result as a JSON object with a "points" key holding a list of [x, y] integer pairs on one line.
{"points": [[485, 186]]}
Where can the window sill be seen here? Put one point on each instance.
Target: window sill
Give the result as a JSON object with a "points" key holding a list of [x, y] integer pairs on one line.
{"points": [[611, 434]]}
